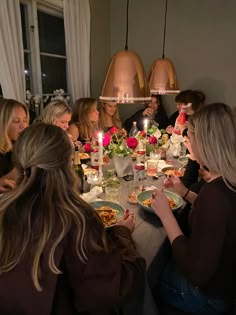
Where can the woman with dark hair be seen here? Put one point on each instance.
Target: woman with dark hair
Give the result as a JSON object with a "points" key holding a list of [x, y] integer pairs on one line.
{"points": [[154, 111], [54, 248], [191, 100]]}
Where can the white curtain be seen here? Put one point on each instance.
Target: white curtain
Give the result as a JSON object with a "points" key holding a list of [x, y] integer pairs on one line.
{"points": [[12, 78], [77, 33]]}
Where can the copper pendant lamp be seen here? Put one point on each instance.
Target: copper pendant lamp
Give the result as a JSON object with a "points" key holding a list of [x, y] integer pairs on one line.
{"points": [[162, 77], [125, 80]]}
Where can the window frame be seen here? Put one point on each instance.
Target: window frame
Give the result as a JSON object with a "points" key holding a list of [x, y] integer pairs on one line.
{"points": [[51, 7]]}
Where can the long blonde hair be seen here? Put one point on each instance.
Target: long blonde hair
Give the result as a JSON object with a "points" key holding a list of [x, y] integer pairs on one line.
{"points": [[45, 205], [53, 111], [116, 121], [7, 107], [81, 110], [214, 128]]}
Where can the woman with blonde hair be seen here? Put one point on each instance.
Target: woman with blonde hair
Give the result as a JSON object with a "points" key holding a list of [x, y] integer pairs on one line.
{"points": [[109, 116], [201, 276], [84, 120], [54, 247], [14, 117], [56, 113]]}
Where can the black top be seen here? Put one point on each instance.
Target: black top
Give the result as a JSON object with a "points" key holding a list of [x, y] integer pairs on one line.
{"points": [[6, 163], [208, 257], [173, 117], [160, 118]]}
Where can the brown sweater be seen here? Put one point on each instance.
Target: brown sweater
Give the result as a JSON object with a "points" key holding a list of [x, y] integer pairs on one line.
{"points": [[91, 288], [208, 257]]}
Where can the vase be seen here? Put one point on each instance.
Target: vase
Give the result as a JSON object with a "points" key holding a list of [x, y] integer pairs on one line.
{"points": [[123, 165]]}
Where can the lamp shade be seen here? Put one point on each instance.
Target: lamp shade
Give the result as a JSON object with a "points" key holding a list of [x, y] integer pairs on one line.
{"points": [[162, 78], [125, 80]]}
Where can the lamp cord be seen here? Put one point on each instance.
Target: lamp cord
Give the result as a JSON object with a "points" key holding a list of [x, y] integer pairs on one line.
{"points": [[127, 25], [164, 35]]}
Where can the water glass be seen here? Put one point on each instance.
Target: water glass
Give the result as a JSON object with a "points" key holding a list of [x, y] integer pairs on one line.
{"points": [[152, 167], [155, 156], [112, 193]]}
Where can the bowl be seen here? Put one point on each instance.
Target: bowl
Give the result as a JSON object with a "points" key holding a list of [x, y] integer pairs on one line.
{"points": [[147, 194], [105, 203], [171, 170], [183, 160]]}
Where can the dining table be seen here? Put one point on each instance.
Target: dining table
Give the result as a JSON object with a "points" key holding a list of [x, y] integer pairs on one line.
{"points": [[151, 242]]}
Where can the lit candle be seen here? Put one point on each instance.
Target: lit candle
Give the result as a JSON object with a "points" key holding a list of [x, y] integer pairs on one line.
{"points": [[145, 125], [100, 151]]}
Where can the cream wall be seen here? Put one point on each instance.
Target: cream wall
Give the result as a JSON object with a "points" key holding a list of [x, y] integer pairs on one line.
{"points": [[200, 40]]}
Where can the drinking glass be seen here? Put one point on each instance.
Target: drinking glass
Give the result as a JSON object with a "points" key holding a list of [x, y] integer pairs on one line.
{"points": [[155, 156], [112, 193], [152, 167]]}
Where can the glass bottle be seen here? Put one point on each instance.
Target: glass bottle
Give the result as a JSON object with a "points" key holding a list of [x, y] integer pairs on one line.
{"points": [[134, 130], [78, 168]]}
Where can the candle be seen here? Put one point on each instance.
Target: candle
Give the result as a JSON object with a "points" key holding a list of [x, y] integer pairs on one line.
{"points": [[100, 151], [145, 125]]}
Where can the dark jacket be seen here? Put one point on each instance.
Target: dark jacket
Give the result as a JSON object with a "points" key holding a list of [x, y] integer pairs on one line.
{"points": [[160, 118], [94, 287]]}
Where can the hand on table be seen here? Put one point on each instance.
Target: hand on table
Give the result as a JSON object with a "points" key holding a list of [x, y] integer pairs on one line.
{"points": [[127, 220], [6, 184]]}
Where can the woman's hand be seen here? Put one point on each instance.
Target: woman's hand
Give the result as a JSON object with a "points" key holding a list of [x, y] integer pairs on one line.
{"points": [[160, 204], [6, 184], [148, 112], [127, 220], [176, 183]]}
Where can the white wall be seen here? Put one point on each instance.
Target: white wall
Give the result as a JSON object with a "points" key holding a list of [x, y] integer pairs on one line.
{"points": [[200, 40]]}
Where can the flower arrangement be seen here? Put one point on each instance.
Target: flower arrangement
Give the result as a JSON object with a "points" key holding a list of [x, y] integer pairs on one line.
{"points": [[151, 139], [116, 143]]}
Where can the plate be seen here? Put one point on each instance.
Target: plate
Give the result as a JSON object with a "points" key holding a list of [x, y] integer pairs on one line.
{"points": [[183, 160], [171, 170], [113, 205], [84, 156], [148, 194]]}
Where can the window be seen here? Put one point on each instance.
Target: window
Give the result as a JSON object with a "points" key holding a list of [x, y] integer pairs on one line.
{"points": [[44, 47]]}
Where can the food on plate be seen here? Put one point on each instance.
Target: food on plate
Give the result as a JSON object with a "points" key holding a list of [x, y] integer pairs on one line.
{"points": [[84, 155], [107, 215], [132, 197], [173, 172], [89, 170], [148, 202]]}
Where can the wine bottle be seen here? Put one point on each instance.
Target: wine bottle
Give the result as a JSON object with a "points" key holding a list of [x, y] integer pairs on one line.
{"points": [[78, 168]]}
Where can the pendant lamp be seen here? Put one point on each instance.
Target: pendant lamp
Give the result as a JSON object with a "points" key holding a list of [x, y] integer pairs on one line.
{"points": [[162, 77], [125, 80]]}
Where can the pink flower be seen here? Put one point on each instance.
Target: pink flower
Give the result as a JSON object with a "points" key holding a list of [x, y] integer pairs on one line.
{"points": [[132, 143], [152, 140], [88, 148], [113, 130], [106, 140]]}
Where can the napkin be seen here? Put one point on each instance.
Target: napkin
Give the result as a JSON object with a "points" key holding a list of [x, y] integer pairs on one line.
{"points": [[90, 196], [162, 164]]}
